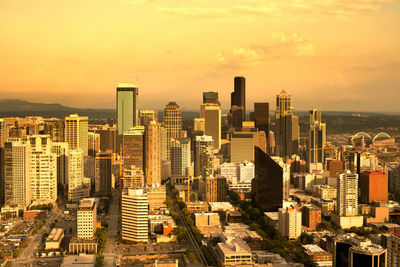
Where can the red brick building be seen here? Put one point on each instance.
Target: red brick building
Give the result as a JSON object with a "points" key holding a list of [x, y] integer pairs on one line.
{"points": [[374, 186], [335, 167], [311, 216]]}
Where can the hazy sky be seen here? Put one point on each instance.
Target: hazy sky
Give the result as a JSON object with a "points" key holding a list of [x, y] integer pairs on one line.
{"points": [[332, 54]]}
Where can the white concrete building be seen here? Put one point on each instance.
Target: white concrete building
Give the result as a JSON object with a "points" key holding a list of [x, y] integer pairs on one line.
{"points": [[289, 222], [86, 218], [134, 215]]}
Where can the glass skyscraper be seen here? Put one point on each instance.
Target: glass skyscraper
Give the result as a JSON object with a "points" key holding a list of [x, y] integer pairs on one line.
{"points": [[127, 102]]}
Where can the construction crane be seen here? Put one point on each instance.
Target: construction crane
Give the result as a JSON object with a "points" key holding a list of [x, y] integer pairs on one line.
{"points": [[188, 181]]}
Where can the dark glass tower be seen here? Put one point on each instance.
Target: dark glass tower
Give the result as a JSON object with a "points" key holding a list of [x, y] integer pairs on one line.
{"points": [[238, 96], [261, 119], [267, 186]]}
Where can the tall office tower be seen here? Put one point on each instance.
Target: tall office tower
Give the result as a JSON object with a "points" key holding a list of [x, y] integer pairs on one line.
{"points": [[238, 96], [212, 120], [285, 176], [134, 215], [153, 153], [3, 132], [268, 178], [108, 139], [76, 132], [210, 97], [211, 189], [127, 104], [55, 128], [148, 115], [222, 189], [103, 185], [242, 146], [132, 178], [199, 125], [203, 156], [236, 117], [316, 137], [61, 150], [77, 186], [374, 186], [17, 173], [289, 222], [172, 123], [283, 125], [180, 159], [93, 144], [164, 144], [262, 141], [261, 119], [295, 135], [347, 194], [86, 218], [43, 169], [133, 147]]}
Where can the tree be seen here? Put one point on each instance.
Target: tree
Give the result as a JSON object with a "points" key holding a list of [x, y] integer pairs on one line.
{"points": [[306, 238]]}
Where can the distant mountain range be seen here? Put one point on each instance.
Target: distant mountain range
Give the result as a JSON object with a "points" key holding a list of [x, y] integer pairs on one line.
{"points": [[337, 121]]}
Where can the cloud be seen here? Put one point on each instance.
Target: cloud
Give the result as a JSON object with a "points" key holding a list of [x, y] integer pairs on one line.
{"points": [[280, 46], [277, 9]]}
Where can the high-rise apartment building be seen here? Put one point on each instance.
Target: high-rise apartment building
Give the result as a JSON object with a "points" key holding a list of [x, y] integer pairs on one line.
{"points": [[43, 169], [103, 176], [289, 222], [78, 188], [153, 153], [283, 125], [61, 150], [108, 138], [148, 115], [180, 158], [3, 132], [347, 194], [238, 96], [172, 123], [55, 128], [86, 218], [17, 173], [76, 132], [261, 119], [164, 144], [268, 178], [212, 122], [127, 104], [133, 147], [134, 215], [204, 156]]}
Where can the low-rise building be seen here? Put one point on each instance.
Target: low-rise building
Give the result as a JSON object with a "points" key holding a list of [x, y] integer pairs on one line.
{"points": [[197, 206], [311, 216], [272, 219], [318, 255], [233, 252], [54, 239]]}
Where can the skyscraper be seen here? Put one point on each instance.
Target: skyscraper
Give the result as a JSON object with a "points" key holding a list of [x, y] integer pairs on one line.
{"points": [[93, 143], [77, 186], [76, 132], [261, 119], [267, 186], [17, 173], [204, 156], [146, 116], [212, 122], [172, 123], [347, 194], [3, 132], [86, 218], [283, 125], [153, 153], [134, 215], [133, 147], [103, 174], [316, 138], [180, 159], [43, 169], [55, 128], [238, 96], [127, 103], [61, 149], [210, 97], [242, 146]]}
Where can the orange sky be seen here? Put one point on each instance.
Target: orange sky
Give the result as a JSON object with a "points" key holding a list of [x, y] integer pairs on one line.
{"points": [[332, 54]]}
